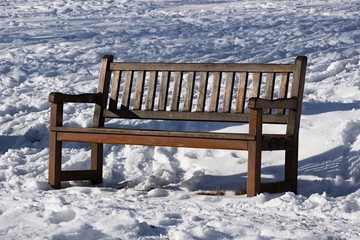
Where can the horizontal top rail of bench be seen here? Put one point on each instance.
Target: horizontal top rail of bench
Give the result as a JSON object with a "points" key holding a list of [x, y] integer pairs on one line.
{"points": [[202, 67]]}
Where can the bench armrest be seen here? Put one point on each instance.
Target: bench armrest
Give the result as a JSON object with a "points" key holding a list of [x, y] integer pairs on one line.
{"points": [[286, 103], [56, 97]]}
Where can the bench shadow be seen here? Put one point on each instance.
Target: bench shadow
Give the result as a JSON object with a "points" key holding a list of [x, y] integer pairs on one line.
{"points": [[311, 108], [327, 172], [9, 142]]}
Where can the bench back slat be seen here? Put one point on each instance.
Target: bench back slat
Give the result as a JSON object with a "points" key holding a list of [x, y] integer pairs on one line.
{"points": [[284, 84], [229, 87], [256, 84], [115, 90], [164, 90], [189, 92], [269, 89], [127, 90], [175, 100], [241, 94], [196, 91], [215, 92], [200, 104], [150, 100]]}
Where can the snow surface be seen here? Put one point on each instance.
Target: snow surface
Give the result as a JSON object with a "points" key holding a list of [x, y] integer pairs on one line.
{"points": [[150, 192]]}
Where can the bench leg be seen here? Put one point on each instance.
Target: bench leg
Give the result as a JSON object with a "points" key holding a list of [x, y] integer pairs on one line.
{"points": [[291, 169], [97, 150], [254, 169], [55, 154]]}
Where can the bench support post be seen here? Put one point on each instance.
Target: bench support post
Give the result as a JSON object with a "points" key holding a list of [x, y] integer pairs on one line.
{"points": [[97, 150], [55, 146], [254, 153], [291, 168]]}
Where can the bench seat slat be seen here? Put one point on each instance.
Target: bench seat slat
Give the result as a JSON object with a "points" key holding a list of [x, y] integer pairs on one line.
{"points": [[171, 138], [163, 133], [155, 137]]}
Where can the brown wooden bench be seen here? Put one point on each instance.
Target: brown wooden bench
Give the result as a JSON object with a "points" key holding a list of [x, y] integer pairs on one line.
{"points": [[218, 92]]}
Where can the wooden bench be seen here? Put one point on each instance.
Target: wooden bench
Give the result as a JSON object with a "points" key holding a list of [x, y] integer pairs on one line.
{"points": [[218, 92]]}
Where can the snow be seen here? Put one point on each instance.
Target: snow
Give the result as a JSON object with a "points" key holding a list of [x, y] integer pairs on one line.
{"points": [[150, 192]]}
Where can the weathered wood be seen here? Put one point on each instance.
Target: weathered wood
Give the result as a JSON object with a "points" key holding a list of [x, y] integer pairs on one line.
{"points": [[160, 133], [155, 140], [74, 175], [200, 104], [114, 95], [284, 83], [229, 87], [192, 116], [241, 93], [215, 92], [139, 90], [284, 103], [56, 97], [175, 100], [297, 90], [125, 101], [256, 85], [103, 89], [201, 67], [269, 89], [254, 153], [164, 90], [249, 108], [188, 100], [55, 146], [276, 187], [151, 91]]}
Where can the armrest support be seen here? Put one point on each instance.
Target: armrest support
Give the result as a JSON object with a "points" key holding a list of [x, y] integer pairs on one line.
{"points": [[286, 103], [56, 97]]}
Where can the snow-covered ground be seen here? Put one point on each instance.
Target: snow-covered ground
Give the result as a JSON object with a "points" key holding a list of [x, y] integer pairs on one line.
{"points": [[57, 46]]}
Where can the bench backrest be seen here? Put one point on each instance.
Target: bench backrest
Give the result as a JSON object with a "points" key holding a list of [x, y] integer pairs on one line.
{"points": [[196, 91]]}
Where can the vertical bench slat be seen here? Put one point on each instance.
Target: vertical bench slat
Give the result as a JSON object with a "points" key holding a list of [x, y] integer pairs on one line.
{"points": [[256, 84], [269, 88], [284, 84], [215, 92], [189, 92], [139, 90], [164, 90], [229, 86], [241, 93], [151, 91], [115, 90], [200, 102], [176, 92], [127, 90]]}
